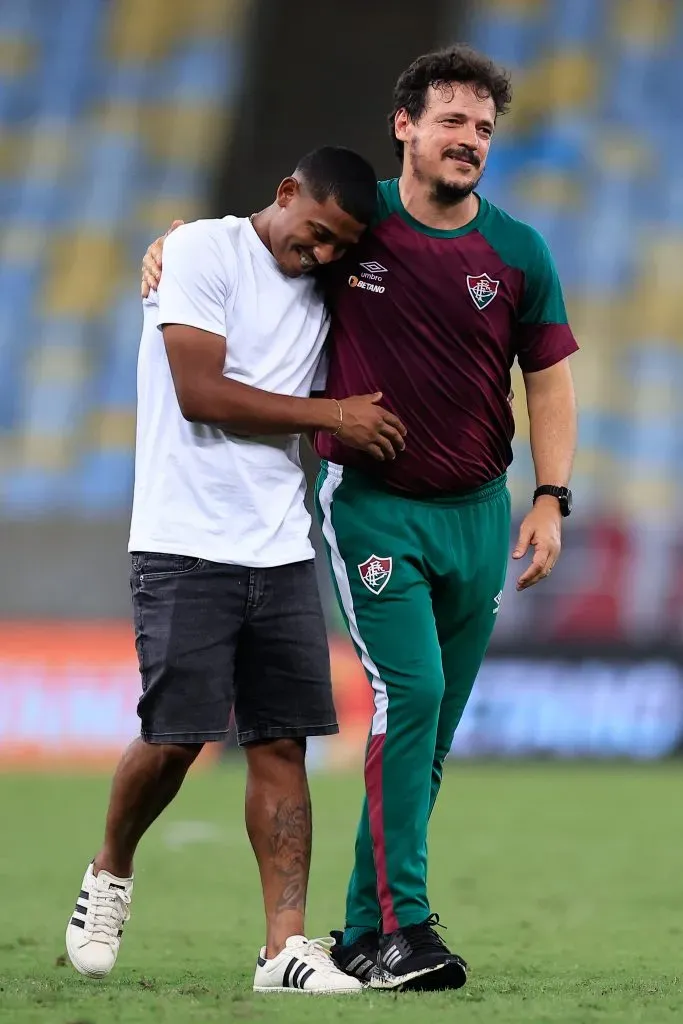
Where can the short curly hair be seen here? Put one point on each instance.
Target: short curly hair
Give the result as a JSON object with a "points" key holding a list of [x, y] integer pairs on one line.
{"points": [[459, 64]]}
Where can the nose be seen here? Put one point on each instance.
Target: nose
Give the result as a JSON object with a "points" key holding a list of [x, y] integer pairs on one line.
{"points": [[468, 138], [325, 253]]}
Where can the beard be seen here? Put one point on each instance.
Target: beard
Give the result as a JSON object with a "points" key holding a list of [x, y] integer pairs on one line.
{"points": [[445, 193]]}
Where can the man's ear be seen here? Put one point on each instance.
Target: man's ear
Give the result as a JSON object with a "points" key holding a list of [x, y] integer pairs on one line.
{"points": [[287, 190], [401, 122]]}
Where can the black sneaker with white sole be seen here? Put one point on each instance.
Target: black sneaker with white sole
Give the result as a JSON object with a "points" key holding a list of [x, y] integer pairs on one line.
{"points": [[417, 959], [357, 958]]}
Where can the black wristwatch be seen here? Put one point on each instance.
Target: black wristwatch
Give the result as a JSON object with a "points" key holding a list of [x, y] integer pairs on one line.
{"points": [[563, 495]]}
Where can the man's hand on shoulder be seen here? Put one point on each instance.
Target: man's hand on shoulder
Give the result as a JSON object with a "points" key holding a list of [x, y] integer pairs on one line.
{"points": [[151, 263]]}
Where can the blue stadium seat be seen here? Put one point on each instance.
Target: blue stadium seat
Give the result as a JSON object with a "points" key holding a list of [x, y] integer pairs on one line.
{"points": [[31, 493], [102, 194], [116, 382], [514, 39], [576, 23], [203, 70], [102, 482]]}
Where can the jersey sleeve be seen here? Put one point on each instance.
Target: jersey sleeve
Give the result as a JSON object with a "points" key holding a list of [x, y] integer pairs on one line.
{"points": [[544, 336], [195, 283]]}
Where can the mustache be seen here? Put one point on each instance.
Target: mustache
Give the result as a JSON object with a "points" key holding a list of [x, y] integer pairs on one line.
{"points": [[464, 154]]}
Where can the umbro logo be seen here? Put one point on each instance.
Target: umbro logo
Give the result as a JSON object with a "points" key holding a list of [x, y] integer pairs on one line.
{"points": [[373, 267], [496, 602]]}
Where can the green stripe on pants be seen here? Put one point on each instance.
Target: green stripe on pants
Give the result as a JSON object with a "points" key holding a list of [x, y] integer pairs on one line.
{"points": [[419, 582]]}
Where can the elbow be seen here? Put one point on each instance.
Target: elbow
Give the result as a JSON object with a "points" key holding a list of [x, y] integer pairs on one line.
{"points": [[191, 416], [190, 408]]}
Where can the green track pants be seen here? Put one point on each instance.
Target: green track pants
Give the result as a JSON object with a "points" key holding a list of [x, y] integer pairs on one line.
{"points": [[419, 582]]}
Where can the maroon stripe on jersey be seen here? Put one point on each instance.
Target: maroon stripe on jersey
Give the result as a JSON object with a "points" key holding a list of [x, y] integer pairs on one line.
{"points": [[542, 345], [373, 788]]}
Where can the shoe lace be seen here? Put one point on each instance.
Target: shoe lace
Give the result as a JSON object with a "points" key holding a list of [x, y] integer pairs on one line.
{"points": [[108, 909], [423, 936], [318, 951]]}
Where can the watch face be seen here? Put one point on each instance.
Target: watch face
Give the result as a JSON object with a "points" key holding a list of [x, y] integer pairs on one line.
{"points": [[569, 501]]}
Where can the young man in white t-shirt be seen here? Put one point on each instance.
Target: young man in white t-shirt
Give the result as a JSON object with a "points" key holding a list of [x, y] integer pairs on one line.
{"points": [[225, 598]]}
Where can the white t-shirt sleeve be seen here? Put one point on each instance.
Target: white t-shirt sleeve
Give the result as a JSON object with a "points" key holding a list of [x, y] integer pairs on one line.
{"points": [[195, 283]]}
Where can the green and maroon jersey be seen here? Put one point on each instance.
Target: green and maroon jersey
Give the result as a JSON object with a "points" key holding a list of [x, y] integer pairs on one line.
{"points": [[434, 320]]}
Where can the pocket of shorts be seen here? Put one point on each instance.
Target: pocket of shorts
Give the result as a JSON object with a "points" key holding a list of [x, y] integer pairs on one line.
{"points": [[150, 566]]}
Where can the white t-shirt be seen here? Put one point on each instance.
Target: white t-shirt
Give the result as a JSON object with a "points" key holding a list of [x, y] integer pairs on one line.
{"points": [[200, 491]]}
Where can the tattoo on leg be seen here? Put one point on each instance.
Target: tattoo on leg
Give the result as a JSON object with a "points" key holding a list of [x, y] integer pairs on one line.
{"points": [[290, 847]]}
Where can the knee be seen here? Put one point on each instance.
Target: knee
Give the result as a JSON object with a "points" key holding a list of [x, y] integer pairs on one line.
{"points": [[424, 701], [175, 757], [274, 756]]}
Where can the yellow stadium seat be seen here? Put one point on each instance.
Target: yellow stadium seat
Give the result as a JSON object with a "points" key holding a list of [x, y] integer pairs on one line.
{"points": [[186, 133], [520, 8], [119, 118], [213, 17], [21, 243], [643, 21], [111, 428], [9, 455], [550, 188], [13, 150], [45, 451], [58, 364], [655, 310], [557, 82], [594, 463], [17, 56], [621, 152], [83, 273], [650, 499], [564, 80], [662, 258], [139, 32], [158, 213]]}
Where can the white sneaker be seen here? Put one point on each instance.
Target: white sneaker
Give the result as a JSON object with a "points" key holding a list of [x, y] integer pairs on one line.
{"points": [[93, 935], [303, 966]]}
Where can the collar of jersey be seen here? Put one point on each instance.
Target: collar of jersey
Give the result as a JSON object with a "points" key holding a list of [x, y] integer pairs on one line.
{"points": [[396, 206]]}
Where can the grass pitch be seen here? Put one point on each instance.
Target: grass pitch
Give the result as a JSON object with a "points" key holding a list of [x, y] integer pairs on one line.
{"points": [[561, 885]]}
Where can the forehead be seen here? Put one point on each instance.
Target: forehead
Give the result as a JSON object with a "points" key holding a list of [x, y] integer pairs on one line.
{"points": [[330, 216], [456, 97]]}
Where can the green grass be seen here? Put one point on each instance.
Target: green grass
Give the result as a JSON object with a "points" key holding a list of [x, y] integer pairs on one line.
{"points": [[562, 886]]}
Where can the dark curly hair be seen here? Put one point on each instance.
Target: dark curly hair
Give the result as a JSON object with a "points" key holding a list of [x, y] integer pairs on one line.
{"points": [[460, 64]]}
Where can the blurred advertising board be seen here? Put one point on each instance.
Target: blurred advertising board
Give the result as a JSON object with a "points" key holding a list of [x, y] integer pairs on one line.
{"points": [[68, 694]]}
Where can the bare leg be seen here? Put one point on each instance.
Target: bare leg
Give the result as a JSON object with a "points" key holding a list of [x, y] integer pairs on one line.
{"points": [[147, 778], [278, 815]]}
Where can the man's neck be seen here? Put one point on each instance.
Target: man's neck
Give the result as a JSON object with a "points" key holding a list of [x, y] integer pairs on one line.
{"points": [[261, 224], [419, 204]]}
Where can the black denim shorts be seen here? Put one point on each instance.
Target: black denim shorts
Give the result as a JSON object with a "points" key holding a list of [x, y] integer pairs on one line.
{"points": [[212, 636]]}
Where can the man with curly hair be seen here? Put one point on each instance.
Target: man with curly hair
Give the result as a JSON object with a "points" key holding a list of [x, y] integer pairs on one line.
{"points": [[432, 308]]}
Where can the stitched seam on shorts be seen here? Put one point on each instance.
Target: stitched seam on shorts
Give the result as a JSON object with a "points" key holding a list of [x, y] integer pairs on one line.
{"points": [[189, 737]]}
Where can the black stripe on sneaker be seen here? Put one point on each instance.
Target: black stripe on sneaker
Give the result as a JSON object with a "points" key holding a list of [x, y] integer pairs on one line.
{"points": [[285, 981], [120, 933], [83, 895], [79, 924], [304, 977], [261, 962], [113, 885], [297, 974], [80, 909]]}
